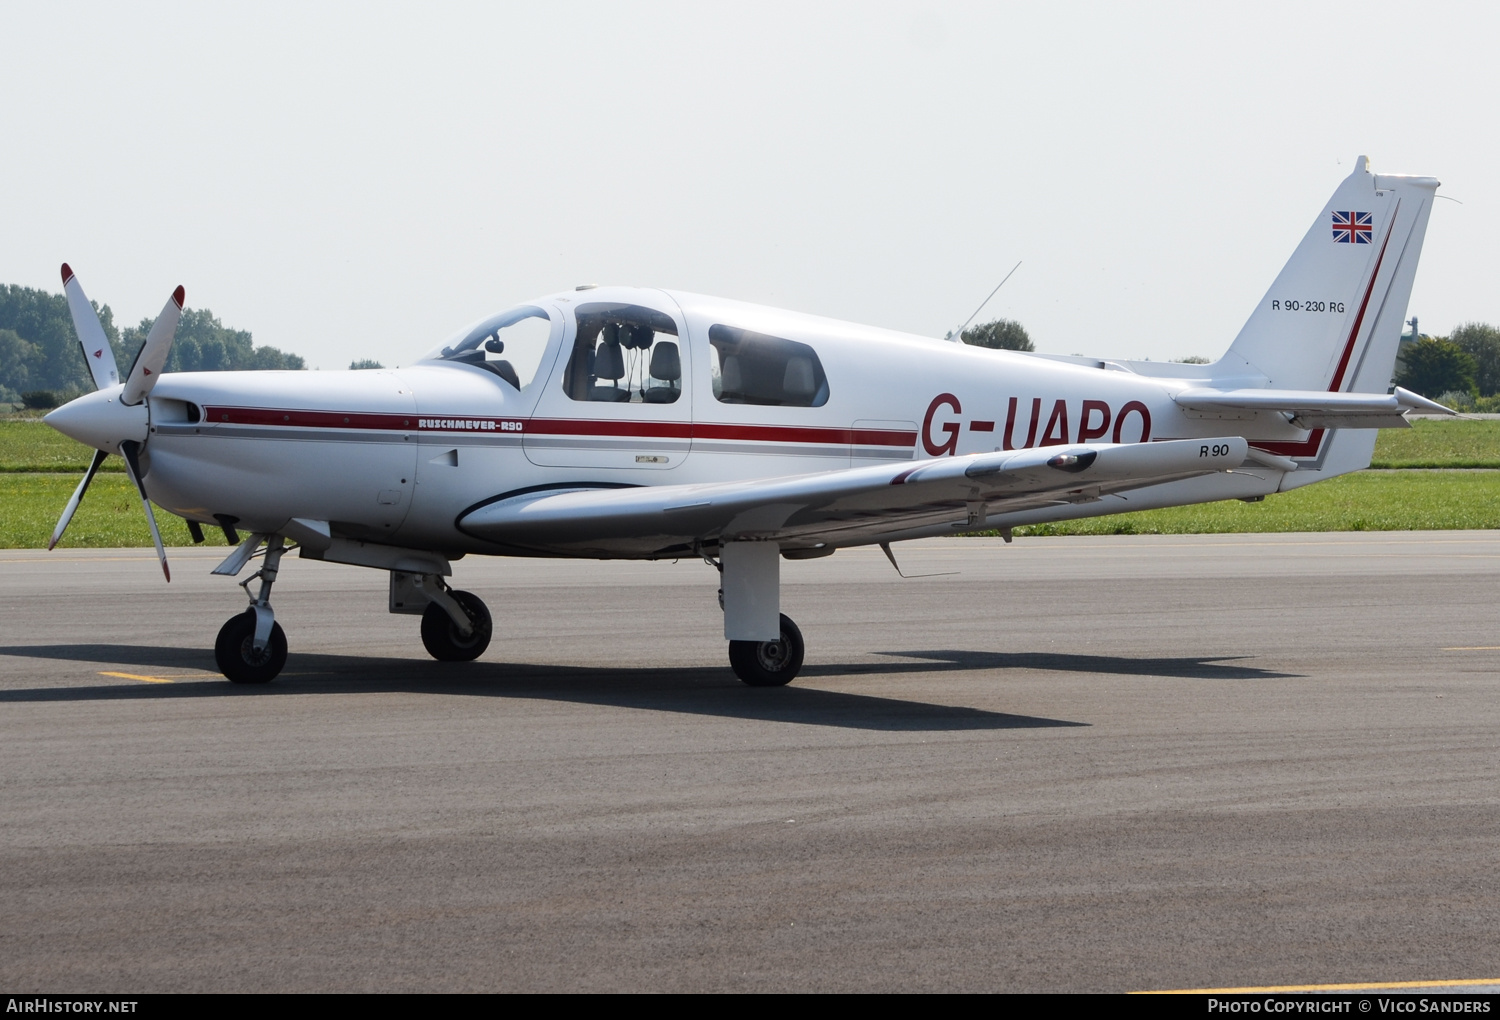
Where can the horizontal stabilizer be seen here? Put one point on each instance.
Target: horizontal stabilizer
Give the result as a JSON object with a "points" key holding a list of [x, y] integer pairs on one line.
{"points": [[1310, 409]]}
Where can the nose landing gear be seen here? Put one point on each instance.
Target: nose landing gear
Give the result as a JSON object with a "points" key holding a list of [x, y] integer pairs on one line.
{"points": [[251, 647]]}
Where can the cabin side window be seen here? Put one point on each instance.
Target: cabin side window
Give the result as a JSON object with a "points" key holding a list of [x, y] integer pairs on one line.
{"points": [[754, 368], [624, 354]]}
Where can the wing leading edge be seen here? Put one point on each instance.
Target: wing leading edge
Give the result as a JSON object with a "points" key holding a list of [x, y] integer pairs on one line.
{"points": [[846, 507]]}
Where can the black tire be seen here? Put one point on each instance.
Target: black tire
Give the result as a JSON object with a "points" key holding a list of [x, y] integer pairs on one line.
{"points": [[237, 659], [769, 663], [441, 636]]}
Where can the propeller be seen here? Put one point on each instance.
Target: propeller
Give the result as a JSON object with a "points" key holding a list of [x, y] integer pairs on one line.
{"points": [[96, 350], [130, 449], [87, 414], [67, 515], [148, 363]]}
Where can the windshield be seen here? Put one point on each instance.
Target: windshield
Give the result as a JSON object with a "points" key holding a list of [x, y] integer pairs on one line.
{"points": [[510, 345]]}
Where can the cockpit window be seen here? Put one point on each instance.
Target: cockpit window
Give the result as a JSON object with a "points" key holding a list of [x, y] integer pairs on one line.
{"points": [[753, 368], [624, 354], [510, 345]]}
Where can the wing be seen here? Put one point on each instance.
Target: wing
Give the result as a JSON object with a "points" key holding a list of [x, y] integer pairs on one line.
{"points": [[1314, 409], [845, 507]]}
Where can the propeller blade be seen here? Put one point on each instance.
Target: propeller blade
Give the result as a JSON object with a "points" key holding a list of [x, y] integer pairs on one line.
{"points": [[96, 349], [153, 355], [131, 449], [72, 507]]}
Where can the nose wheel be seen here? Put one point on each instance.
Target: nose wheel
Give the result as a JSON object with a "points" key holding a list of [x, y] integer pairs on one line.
{"points": [[769, 663], [237, 657]]}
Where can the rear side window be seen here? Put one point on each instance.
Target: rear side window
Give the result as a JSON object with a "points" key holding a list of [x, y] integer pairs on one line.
{"points": [[753, 368]]}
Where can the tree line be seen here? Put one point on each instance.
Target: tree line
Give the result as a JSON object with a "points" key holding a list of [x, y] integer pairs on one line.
{"points": [[1462, 367], [40, 356], [999, 335]]}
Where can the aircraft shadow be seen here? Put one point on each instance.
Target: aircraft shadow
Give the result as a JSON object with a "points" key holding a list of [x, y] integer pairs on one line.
{"points": [[691, 690], [1190, 667]]}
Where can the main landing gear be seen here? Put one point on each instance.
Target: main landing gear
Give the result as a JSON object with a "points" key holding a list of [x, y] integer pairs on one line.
{"points": [[456, 625], [769, 663], [442, 635], [251, 647], [765, 646]]}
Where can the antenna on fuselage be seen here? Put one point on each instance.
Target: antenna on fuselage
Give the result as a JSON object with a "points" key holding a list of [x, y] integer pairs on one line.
{"points": [[958, 336]]}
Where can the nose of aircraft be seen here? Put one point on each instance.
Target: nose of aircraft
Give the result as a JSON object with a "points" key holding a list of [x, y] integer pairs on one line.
{"points": [[100, 420]]}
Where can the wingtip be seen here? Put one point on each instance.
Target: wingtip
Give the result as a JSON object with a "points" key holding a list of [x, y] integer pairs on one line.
{"points": [[165, 572], [178, 295], [67, 273]]}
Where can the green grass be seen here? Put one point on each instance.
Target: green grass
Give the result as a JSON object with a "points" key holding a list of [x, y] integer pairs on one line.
{"points": [[28, 445], [1440, 443], [109, 517], [1363, 501]]}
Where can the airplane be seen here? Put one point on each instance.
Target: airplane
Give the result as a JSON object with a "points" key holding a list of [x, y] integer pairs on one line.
{"points": [[623, 422]]}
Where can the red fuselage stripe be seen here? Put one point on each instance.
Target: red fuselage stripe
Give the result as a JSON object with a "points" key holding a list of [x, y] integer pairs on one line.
{"points": [[592, 427]]}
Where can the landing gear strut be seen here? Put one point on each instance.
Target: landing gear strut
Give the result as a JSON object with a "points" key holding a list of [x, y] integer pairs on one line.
{"points": [[765, 646], [251, 647], [456, 626]]}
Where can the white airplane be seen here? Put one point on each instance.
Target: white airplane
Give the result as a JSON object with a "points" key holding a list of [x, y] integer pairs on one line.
{"points": [[618, 422]]}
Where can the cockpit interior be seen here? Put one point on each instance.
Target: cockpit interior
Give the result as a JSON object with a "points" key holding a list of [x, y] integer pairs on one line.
{"points": [[624, 354]]}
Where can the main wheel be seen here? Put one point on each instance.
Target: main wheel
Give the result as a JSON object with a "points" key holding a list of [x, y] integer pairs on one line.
{"points": [[441, 637], [239, 661], [769, 663]]}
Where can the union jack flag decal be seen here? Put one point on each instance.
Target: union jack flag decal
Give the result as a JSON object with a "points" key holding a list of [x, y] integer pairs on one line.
{"points": [[1353, 227]]}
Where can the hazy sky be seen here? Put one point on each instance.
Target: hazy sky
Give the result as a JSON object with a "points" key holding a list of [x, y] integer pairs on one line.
{"points": [[360, 180]]}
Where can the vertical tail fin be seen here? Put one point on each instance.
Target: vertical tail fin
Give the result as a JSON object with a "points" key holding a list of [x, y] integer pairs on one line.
{"points": [[1332, 320]]}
